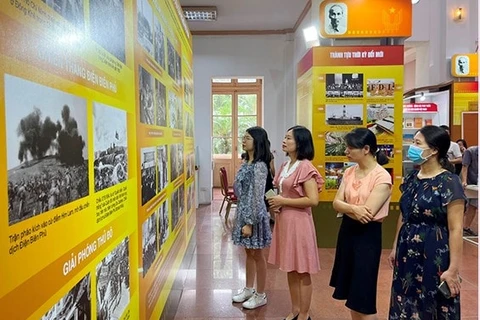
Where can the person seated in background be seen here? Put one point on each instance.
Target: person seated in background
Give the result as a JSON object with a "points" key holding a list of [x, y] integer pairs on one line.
{"points": [[470, 176], [463, 146]]}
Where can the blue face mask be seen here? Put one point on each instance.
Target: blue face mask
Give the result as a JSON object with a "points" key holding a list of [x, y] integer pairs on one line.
{"points": [[415, 154]]}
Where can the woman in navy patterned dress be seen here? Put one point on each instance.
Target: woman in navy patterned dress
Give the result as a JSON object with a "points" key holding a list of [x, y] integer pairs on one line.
{"points": [[428, 245], [252, 222]]}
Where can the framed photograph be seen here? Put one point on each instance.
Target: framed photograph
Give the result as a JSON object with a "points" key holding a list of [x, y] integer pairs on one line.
{"points": [[344, 115], [113, 282], [110, 146], [47, 148], [347, 85], [107, 26], [336, 17]]}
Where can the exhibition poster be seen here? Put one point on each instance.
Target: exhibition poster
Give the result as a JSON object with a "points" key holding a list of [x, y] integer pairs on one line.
{"points": [[364, 18], [355, 87], [92, 103]]}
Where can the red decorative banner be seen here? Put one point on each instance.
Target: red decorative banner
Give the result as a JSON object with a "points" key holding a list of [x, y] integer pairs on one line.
{"points": [[358, 56], [420, 107]]}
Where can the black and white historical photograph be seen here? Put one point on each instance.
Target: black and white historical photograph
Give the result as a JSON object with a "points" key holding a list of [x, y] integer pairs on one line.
{"points": [[113, 283], [163, 224], [188, 92], [147, 109], [110, 146], [47, 151], [107, 26], [346, 85], [190, 165], [162, 170], [160, 104], [149, 181], [149, 241], [189, 121], [190, 197], [344, 115], [71, 10], [178, 205], [159, 42], [336, 15], [145, 25], [176, 160], [175, 109], [76, 304], [380, 118], [462, 65], [178, 69], [380, 88], [174, 63]]}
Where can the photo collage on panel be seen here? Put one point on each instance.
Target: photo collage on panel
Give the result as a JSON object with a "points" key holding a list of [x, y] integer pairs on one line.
{"points": [[355, 100], [344, 111], [160, 110]]}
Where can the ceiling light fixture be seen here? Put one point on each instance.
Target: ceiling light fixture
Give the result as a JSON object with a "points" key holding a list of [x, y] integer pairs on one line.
{"points": [[415, 1], [310, 34], [311, 37], [200, 13]]}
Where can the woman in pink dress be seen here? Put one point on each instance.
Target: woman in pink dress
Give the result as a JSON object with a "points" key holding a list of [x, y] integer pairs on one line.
{"points": [[294, 242]]}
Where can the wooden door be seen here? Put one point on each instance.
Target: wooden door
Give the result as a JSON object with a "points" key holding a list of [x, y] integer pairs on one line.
{"points": [[470, 127]]}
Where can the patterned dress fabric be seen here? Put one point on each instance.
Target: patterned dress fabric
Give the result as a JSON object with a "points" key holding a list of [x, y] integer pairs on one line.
{"points": [[249, 188], [422, 252]]}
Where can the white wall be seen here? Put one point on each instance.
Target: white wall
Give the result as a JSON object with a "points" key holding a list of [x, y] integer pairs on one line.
{"points": [[269, 57], [409, 76], [439, 37], [300, 45]]}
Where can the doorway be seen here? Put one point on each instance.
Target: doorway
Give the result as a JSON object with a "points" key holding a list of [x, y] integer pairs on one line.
{"points": [[470, 127], [236, 106]]}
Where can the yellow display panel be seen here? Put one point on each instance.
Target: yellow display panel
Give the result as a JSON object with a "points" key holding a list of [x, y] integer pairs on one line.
{"points": [[96, 111], [355, 87]]}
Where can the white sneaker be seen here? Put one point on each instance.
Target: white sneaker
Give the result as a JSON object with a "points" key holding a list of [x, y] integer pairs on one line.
{"points": [[257, 300], [243, 295]]}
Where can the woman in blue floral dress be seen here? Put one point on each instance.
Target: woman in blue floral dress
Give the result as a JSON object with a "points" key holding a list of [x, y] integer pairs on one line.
{"points": [[252, 222], [428, 244]]}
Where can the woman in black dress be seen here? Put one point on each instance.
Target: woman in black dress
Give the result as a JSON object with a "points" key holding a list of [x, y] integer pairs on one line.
{"points": [[428, 245]]}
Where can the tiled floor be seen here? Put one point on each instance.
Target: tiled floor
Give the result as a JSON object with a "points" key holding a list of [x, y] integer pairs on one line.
{"points": [[216, 268]]}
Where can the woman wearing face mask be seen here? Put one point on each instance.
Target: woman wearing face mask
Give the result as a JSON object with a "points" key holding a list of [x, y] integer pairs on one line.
{"points": [[428, 246]]}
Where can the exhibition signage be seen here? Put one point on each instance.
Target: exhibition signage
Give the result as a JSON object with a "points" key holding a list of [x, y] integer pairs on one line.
{"points": [[96, 111]]}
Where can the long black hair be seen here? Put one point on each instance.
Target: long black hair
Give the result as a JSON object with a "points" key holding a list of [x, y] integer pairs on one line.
{"points": [[304, 142], [360, 137], [261, 145], [438, 139]]}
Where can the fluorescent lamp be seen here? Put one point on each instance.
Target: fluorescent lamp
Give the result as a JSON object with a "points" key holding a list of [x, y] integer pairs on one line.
{"points": [[310, 34], [200, 13]]}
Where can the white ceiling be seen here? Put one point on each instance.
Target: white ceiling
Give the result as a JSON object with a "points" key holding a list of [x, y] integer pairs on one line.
{"points": [[249, 14]]}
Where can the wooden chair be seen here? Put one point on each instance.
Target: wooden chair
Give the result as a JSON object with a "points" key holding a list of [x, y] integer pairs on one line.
{"points": [[227, 193]]}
